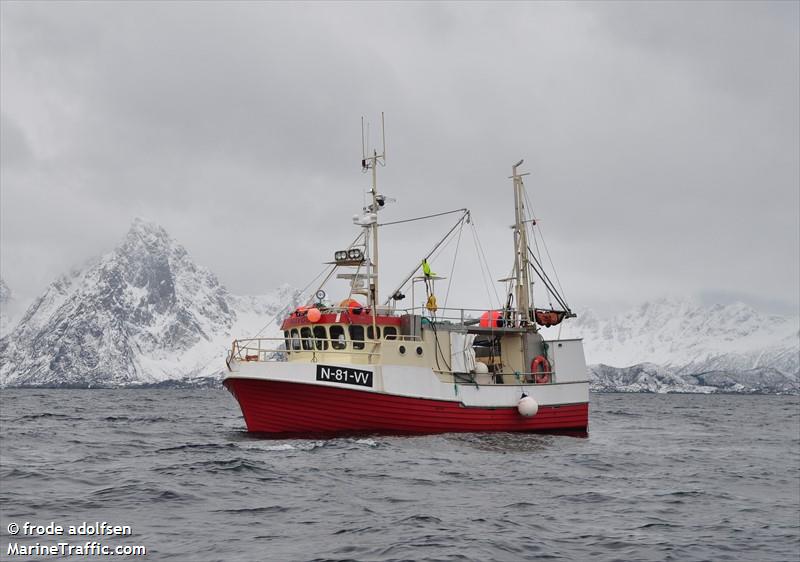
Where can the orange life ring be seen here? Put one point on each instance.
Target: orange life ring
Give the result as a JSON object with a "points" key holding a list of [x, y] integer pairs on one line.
{"points": [[540, 376]]}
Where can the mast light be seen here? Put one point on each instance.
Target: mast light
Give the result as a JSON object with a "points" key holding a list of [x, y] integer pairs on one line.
{"points": [[349, 257]]}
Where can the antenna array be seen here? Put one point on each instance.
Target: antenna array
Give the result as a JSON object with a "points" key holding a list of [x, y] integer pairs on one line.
{"points": [[370, 160]]}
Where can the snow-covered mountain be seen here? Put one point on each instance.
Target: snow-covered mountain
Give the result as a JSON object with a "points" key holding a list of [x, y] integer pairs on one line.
{"points": [[142, 314], [145, 313], [679, 345]]}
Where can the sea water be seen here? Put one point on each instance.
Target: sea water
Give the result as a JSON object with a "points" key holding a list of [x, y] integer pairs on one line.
{"points": [[659, 477]]}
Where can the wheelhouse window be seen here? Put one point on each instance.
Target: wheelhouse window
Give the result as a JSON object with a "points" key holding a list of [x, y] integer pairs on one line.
{"points": [[288, 344], [295, 339], [337, 337], [321, 338], [373, 334], [390, 333], [357, 335], [305, 333]]}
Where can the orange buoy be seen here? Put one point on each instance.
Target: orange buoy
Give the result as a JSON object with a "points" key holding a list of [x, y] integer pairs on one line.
{"points": [[491, 318], [313, 315], [352, 305]]}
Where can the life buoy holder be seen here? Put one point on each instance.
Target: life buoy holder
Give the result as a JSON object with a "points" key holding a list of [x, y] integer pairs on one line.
{"points": [[540, 376]]}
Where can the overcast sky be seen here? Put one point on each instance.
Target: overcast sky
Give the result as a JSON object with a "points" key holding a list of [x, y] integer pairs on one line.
{"points": [[663, 139]]}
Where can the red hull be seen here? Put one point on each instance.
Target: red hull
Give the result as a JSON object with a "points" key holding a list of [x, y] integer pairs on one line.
{"points": [[284, 408]]}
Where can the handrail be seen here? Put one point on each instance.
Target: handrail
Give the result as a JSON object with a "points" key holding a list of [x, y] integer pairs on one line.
{"points": [[389, 309], [551, 376], [459, 315], [237, 348], [268, 354], [331, 341]]}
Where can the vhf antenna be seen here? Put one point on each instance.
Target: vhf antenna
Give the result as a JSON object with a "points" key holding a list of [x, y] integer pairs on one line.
{"points": [[363, 147], [367, 161]]}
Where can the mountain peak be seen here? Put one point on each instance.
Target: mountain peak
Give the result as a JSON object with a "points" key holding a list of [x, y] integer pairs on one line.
{"points": [[146, 238], [140, 223], [145, 229], [142, 312]]}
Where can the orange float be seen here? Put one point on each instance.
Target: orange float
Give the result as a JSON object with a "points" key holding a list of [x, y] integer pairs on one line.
{"points": [[491, 318], [313, 315], [352, 306]]}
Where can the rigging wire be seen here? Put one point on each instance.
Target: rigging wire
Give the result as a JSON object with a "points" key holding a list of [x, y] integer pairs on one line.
{"points": [[484, 262], [436, 247], [432, 322], [555, 271], [532, 221], [424, 218], [441, 249], [286, 309], [544, 244], [548, 283], [283, 311], [453, 267], [439, 348], [481, 266]]}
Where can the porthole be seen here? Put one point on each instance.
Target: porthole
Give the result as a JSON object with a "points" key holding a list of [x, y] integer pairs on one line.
{"points": [[419, 351], [402, 350]]}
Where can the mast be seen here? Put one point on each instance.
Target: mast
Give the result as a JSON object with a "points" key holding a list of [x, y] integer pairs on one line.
{"points": [[373, 289], [378, 201], [521, 264]]}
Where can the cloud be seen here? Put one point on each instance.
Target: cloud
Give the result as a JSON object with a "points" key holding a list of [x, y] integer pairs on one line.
{"points": [[662, 138]]}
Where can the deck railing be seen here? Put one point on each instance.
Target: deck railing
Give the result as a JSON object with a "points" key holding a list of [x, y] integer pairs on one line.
{"points": [[274, 349], [463, 316], [268, 349]]}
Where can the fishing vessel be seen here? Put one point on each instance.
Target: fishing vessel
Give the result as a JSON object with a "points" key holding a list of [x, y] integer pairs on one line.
{"points": [[359, 365]]}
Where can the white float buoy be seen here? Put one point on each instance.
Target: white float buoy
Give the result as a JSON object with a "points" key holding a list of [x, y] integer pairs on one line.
{"points": [[527, 406], [481, 368]]}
